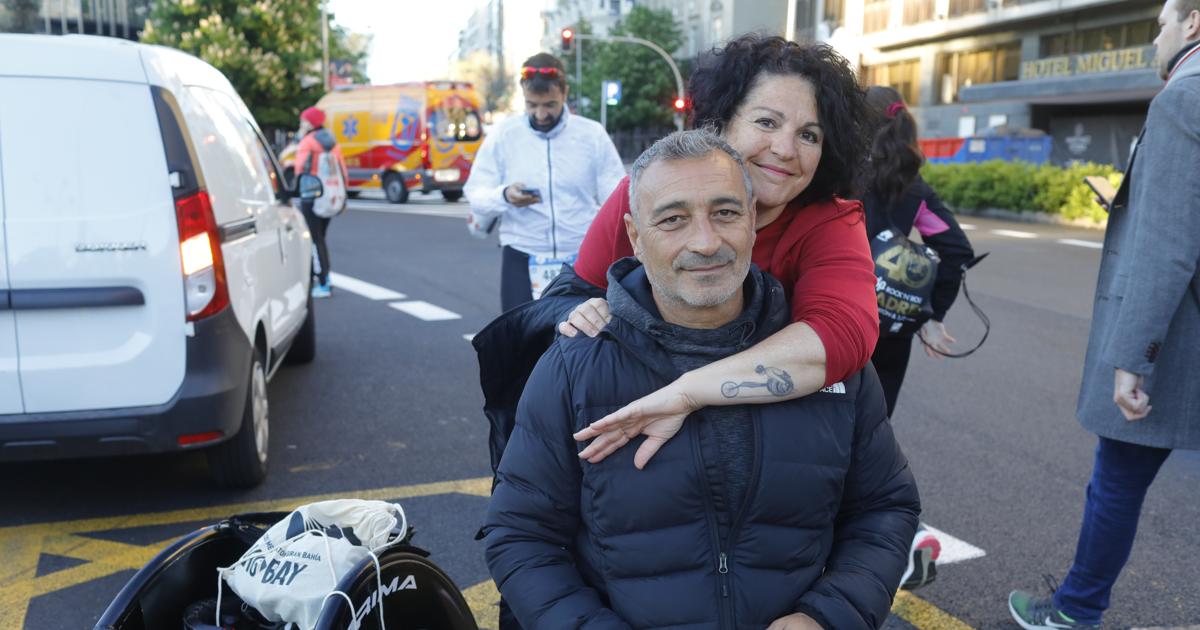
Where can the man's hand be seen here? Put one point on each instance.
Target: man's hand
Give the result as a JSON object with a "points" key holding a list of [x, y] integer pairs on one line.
{"points": [[514, 196], [658, 416], [936, 338], [588, 318], [1133, 401], [795, 621]]}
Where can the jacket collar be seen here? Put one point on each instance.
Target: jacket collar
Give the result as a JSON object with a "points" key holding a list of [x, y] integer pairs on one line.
{"points": [[1186, 63], [555, 130]]}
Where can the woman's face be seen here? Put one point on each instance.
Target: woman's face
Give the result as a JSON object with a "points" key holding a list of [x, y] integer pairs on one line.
{"points": [[778, 133]]}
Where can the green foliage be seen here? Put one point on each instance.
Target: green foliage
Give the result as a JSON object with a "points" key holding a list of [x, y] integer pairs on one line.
{"points": [[270, 50], [647, 84], [1020, 187]]}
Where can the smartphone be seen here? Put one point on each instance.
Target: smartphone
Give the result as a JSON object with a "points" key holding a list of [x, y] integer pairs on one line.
{"points": [[532, 192], [1102, 187]]}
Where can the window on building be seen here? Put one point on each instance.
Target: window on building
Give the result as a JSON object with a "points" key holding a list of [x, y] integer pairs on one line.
{"points": [[918, 11], [904, 76], [835, 13], [959, 8], [977, 67], [875, 15], [1139, 33]]}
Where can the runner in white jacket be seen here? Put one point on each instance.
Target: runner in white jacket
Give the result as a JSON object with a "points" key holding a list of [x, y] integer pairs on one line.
{"points": [[544, 177]]}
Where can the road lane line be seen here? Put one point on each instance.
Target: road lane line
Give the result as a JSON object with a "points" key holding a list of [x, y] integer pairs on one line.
{"points": [[1014, 234], [923, 615], [954, 549], [967, 226], [469, 337], [428, 212], [1079, 243], [484, 600], [363, 288], [424, 310]]}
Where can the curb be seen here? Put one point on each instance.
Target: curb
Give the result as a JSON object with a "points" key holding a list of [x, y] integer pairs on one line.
{"points": [[1030, 216]]}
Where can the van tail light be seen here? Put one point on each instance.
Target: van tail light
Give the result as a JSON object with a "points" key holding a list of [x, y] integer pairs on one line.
{"points": [[425, 156], [204, 285]]}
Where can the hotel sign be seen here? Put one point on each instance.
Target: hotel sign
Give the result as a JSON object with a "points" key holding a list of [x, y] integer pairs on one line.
{"points": [[1103, 62]]}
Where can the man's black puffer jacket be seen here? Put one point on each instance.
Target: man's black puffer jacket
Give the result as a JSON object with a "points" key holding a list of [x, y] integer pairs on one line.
{"points": [[832, 505]]}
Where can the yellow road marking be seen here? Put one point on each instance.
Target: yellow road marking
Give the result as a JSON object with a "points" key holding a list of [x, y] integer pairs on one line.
{"points": [[22, 546], [923, 615], [484, 600]]}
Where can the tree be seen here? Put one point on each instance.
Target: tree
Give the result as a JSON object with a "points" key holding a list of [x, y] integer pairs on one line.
{"points": [[647, 84], [270, 50], [493, 84]]}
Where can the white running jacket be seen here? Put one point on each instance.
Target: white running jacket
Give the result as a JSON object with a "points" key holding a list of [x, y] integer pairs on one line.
{"points": [[574, 165]]}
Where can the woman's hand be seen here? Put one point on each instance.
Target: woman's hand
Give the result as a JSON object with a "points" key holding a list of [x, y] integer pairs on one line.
{"points": [[658, 416], [795, 621], [589, 318], [936, 338]]}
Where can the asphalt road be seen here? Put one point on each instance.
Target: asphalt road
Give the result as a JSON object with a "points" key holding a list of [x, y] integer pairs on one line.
{"points": [[392, 406]]}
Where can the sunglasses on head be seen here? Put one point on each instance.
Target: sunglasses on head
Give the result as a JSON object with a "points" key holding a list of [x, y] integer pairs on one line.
{"points": [[529, 72]]}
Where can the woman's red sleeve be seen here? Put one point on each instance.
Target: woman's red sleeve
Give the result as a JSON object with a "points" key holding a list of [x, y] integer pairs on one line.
{"points": [[835, 293], [606, 240]]}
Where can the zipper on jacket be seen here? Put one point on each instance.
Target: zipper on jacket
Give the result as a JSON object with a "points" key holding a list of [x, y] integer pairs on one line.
{"points": [[736, 525], [550, 186], [710, 513]]}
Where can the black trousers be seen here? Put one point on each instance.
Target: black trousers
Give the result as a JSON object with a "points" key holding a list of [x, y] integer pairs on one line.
{"points": [[318, 227], [515, 287], [891, 362]]}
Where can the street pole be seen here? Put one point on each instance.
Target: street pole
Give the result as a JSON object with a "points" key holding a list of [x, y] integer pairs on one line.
{"points": [[578, 80], [603, 107], [647, 43], [324, 45]]}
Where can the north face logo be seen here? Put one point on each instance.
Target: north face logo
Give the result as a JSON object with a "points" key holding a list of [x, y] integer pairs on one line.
{"points": [[836, 388]]}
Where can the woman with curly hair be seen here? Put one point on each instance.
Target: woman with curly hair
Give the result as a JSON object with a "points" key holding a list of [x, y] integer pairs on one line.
{"points": [[796, 114]]}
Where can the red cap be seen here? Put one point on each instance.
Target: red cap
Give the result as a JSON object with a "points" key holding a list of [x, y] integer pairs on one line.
{"points": [[314, 116]]}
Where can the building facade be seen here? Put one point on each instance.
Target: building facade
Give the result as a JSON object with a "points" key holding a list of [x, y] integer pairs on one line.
{"points": [[1079, 70], [112, 18]]}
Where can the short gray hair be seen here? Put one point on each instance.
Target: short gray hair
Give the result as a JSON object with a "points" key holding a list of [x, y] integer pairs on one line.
{"points": [[684, 145]]}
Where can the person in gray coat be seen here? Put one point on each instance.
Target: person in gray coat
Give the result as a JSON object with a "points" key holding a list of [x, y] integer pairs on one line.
{"points": [[1139, 392]]}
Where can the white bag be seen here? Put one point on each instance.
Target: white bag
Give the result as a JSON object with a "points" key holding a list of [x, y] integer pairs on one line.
{"points": [[296, 565], [333, 201]]}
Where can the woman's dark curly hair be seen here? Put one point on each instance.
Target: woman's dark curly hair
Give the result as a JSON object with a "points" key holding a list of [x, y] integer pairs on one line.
{"points": [[895, 156], [724, 77]]}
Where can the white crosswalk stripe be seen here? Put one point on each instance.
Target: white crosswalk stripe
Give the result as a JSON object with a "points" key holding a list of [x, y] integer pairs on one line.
{"points": [[424, 310], [1078, 243], [1014, 234], [365, 289]]}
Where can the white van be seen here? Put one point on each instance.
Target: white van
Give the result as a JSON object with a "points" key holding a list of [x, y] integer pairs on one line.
{"points": [[153, 274]]}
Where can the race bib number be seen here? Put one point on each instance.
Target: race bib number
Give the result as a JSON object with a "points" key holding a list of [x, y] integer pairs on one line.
{"points": [[544, 269]]}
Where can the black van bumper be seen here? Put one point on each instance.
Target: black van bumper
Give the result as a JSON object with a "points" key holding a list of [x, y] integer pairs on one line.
{"points": [[210, 400]]}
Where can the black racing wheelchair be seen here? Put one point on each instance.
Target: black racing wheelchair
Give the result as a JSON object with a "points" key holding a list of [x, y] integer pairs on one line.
{"points": [[178, 588]]}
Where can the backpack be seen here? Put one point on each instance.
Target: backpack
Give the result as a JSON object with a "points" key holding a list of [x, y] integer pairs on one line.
{"points": [[904, 277], [333, 201]]}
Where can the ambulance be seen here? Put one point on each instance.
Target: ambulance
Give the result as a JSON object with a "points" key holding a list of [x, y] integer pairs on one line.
{"points": [[408, 137]]}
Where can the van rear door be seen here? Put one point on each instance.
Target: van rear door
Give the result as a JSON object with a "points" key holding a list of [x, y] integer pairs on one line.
{"points": [[10, 382], [93, 247]]}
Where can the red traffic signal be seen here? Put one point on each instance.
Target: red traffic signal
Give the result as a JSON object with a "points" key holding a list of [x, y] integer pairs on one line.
{"points": [[680, 104], [568, 38]]}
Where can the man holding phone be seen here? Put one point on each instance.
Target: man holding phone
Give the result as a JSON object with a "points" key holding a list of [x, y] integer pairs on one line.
{"points": [[1139, 392], [542, 177]]}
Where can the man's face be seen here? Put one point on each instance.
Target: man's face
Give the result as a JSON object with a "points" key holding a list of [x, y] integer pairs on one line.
{"points": [[1173, 35], [544, 108], [694, 229]]}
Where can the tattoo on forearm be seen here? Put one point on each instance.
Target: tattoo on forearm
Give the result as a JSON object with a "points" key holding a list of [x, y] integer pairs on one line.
{"points": [[778, 383]]}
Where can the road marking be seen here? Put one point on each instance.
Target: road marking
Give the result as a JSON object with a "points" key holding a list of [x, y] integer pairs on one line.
{"points": [[469, 337], [21, 546], [967, 226], [1079, 243], [424, 310], [953, 549], [447, 213], [363, 288], [1014, 234]]}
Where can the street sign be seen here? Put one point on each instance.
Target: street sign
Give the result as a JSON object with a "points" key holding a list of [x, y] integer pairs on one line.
{"points": [[612, 92]]}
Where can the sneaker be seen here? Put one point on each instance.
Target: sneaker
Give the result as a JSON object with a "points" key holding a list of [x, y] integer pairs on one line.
{"points": [[1039, 613], [922, 561], [321, 291]]}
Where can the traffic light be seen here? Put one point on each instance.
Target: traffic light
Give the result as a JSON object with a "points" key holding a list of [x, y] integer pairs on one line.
{"points": [[680, 104], [568, 39]]}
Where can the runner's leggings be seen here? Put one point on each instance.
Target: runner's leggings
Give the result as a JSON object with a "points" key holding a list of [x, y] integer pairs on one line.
{"points": [[515, 287], [318, 227]]}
